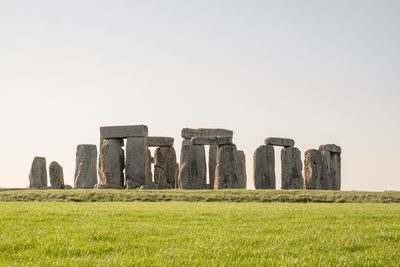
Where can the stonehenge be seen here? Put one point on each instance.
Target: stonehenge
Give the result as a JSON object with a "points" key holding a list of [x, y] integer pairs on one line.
{"points": [[38, 173], [56, 176], [126, 161], [85, 167]]}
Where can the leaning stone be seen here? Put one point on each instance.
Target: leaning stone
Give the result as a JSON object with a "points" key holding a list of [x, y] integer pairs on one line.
{"points": [[112, 162], [38, 173], [138, 162], [56, 176], [292, 168], [165, 167], [331, 148], [217, 140], [276, 141], [242, 168], [212, 164], [192, 171], [333, 169], [86, 166], [188, 133], [227, 174], [156, 141], [264, 167], [107, 186], [314, 170], [123, 131]]}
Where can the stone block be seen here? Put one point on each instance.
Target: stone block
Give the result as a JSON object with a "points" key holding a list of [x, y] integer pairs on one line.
{"points": [[212, 164], [165, 167], [111, 163], [242, 168], [315, 170], [192, 170], [188, 133], [333, 169], [86, 167], [138, 162], [116, 132], [158, 141], [264, 167], [331, 148], [276, 141], [38, 173], [107, 186], [56, 176], [227, 174], [217, 140], [292, 168]]}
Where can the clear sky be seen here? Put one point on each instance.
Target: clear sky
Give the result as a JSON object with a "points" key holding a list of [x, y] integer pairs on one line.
{"points": [[315, 71]]}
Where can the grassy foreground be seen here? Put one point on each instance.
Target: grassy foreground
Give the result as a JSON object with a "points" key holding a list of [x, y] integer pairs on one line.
{"points": [[292, 196], [205, 234]]}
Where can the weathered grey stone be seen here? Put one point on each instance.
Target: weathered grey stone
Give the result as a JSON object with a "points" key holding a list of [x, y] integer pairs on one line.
{"points": [[192, 171], [38, 173], [107, 186], [314, 170], [216, 140], [149, 174], [151, 186], [165, 167], [242, 168], [331, 148], [56, 175], [212, 164], [117, 132], [292, 168], [227, 174], [67, 186], [138, 162], [111, 163], [333, 168], [264, 167], [86, 166], [188, 133], [276, 141], [157, 141]]}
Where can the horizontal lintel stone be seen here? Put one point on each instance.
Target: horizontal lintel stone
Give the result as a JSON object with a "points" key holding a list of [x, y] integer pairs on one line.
{"points": [[276, 141], [188, 133], [123, 131], [158, 141], [218, 140], [331, 148]]}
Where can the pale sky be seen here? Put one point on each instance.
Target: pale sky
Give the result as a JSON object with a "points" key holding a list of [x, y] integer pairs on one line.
{"points": [[315, 71]]}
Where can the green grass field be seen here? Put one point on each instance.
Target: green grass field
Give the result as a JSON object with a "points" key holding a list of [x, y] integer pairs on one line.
{"points": [[292, 196], [206, 234]]}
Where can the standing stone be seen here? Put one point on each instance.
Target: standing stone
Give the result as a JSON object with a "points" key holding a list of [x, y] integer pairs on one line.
{"points": [[165, 167], [56, 176], [331, 154], [149, 174], [264, 167], [314, 170], [38, 173], [227, 174], [192, 171], [138, 162], [111, 163], [242, 168], [212, 164], [292, 168], [86, 166]]}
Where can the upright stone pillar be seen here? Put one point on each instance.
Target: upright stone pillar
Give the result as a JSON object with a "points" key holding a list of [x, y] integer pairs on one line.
{"points": [[38, 173], [264, 167], [192, 170], [56, 176], [212, 164], [292, 168], [314, 170], [138, 162], [242, 168], [165, 167], [227, 174], [332, 157], [111, 164], [86, 166]]}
